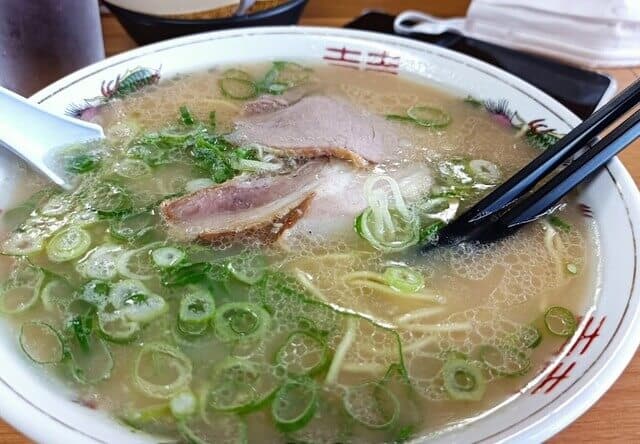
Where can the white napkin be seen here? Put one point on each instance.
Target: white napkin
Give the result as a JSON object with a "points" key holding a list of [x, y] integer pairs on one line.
{"points": [[595, 33]]}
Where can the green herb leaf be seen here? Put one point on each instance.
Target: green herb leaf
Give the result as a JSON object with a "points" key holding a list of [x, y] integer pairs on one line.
{"points": [[82, 163], [82, 327], [186, 117], [559, 223]]}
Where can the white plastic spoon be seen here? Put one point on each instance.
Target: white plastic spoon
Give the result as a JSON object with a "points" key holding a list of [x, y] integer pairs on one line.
{"points": [[33, 133]]}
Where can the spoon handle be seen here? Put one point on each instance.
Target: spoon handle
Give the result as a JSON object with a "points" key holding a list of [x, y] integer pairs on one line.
{"points": [[32, 133]]}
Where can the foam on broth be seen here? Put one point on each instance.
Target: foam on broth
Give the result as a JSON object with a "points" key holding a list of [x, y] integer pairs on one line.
{"points": [[486, 293]]}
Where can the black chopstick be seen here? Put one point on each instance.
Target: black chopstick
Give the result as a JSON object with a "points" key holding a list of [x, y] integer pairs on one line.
{"points": [[542, 165], [543, 200], [501, 213]]}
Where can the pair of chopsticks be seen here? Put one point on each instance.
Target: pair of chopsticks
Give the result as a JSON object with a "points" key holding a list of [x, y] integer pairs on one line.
{"points": [[514, 204]]}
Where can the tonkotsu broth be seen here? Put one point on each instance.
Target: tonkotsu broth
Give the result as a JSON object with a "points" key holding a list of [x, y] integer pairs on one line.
{"points": [[473, 296]]}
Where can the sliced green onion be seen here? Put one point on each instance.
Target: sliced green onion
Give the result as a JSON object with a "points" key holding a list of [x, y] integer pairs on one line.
{"points": [[241, 321], [528, 336], [58, 205], [455, 173], [238, 89], [136, 302], [95, 293], [403, 279], [22, 290], [92, 363], [137, 264], [132, 169], [303, 354], [234, 73], [138, 418], [505, 361], [144, 307], [485, 171], [294, 404], [429, 116], [463, 381], [41, 343], [214, 428], [68, 244], [197, 308], [57, 294], [24, 243], [571, 268], [405, 234], [399, 118], [101, 262], [183, 405], [240, 386], [173, 359], [284, 75], [560, 321], [115, 327], [167, 257], [110, 200], [133, 227], [372, 404], [248, 268]]}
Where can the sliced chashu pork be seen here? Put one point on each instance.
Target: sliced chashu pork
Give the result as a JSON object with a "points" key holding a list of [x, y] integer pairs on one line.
{"points": [[257, 208], [318, 126], [319, 200]]}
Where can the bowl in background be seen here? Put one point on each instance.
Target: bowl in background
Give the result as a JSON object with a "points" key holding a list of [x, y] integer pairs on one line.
{"points": [[147, 28]]}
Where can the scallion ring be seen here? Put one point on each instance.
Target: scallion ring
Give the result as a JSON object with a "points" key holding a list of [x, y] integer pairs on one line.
{"points": [[294, 404], [241, 321], [174, 359], [372, 404], [403, 279], [68, 244], [463, 381], [41, 343], [560, 321]]}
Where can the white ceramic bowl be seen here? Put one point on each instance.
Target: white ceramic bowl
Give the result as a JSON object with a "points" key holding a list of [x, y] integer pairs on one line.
{"points": [[588, 366]]}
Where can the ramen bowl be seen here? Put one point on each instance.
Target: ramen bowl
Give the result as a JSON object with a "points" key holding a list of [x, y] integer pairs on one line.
{"points": [[581, 372]]}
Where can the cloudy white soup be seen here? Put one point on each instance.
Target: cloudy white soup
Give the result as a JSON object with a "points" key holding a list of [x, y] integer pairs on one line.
{"points": [[240, 260]]}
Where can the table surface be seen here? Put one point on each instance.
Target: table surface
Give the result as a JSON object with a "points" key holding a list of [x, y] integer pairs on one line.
{"points": [[615, 417]]}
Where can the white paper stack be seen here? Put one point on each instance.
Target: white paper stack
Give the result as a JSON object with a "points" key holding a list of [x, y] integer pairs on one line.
{"points": [[595, 33]]}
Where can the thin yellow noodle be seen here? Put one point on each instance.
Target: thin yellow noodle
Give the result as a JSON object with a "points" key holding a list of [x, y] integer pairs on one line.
{"points": [[352, 367], [341, 351], [418, 314], [439, 328], [308, 285], [414, 346], [382, 288], [367, 275]]}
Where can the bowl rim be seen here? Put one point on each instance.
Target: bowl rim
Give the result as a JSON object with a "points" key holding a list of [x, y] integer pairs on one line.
{"points": [[170, 21], [577, 403]]}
